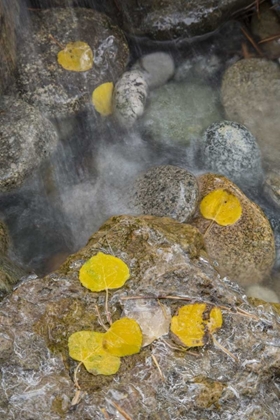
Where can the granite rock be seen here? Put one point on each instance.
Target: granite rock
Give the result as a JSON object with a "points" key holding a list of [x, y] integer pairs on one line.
{"points": [[157, 67]]}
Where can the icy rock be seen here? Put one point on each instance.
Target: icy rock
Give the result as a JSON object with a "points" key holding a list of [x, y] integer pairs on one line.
{"points": [[205, 67], [245, 250], [251, 95], [166, 191], [261, 292], [43, 82], [129, 97], [157, 68], [165, 258], [27, 138], [179, 112], [230, 149]]}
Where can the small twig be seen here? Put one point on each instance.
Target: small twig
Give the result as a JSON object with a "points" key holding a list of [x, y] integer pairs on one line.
{"points": [[121, 411], [56, 42], [250, 39], [104, 412], [108, 314], [77, 397], [76, 383], [216, 343], [100, 319], [157, 297], [245, 51], [258, 8], [269, 38], [158, 367], [247, 314]]}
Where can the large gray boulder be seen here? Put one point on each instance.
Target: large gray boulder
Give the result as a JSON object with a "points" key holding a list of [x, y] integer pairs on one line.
{"points": [[165, 257]]}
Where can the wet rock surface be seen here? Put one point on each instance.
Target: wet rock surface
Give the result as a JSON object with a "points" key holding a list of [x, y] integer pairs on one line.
{"points": [[26, 138], [250, 95], [165, 20], [244, 250], [176, 113], [44, 83], [166, 191], [230, 149], [165, 257], [157, 68]]}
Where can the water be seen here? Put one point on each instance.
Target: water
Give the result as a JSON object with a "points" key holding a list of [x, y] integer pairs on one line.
{"points": [[87, 178]]}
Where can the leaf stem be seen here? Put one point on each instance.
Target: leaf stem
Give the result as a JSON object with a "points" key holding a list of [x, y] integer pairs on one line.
{"points": [[108, 314], [100, 319], [76, 383]]}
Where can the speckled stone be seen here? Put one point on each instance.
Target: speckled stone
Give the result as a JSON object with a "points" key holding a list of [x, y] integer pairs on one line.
{"points": [[179, 112], [230, 149], [157, 67], [244, 251], [129, 97], [251, 96], [167, 191], [43, 82], [26, 138]]}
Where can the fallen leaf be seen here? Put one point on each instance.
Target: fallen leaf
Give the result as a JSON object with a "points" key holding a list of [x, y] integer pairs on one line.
{"points": [[102, 98], [86, 347], [152, 317], [123, 338], [221, 206], [76, 56], [193, 324], [103, 272]]}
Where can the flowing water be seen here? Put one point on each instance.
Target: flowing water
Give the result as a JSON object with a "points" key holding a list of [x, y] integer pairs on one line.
{"points": [[87, 178]]}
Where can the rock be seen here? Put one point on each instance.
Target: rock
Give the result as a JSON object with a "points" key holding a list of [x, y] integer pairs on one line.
{"points": [[205, 67], [165, 257], [276, 6], [179, 112], [272, 186], [9, 18], [228, 148], [250, 95], [44, 83], [3, 238], [165, 20], [261, 292], [166, 191], [157, 67], [129, 97], [264, 24], [245, 250], [27, 139]]}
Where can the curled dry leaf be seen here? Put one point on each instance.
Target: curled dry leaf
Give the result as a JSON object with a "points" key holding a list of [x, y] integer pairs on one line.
{"points": [[222, 207], [193, 324], [103, 272], [76, 56]]}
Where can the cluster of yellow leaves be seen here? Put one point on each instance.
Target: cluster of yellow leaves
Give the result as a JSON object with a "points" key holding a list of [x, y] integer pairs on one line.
{"points": [[194, 323], [101, 352], [222, 207], [76, 56]]}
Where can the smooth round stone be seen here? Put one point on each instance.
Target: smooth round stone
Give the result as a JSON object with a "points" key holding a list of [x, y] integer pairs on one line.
{"points": [[26, 138], [230, 149], [251, 96], [261, 292], [44, 82], [244, 251], [179, 112], [157, 68], [166, 191], [129, 98]]}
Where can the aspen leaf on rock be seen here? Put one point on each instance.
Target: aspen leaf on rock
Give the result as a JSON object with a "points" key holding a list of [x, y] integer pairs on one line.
{"points": [[76, 56], [86, 347], [221, 206], [103, 272], [123, 338], [193, 324], [102, 98]]}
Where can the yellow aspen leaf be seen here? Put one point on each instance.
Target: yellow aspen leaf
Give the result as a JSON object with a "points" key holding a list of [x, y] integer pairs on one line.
{"points": [[76, 56], [86, 347], [123, 338], [103, 272], [102, 98], [192, 325], [221, 206]]}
